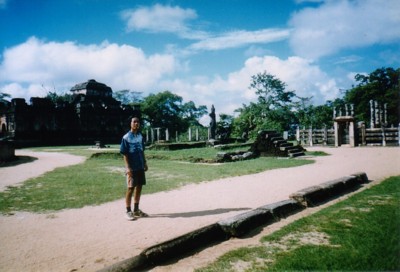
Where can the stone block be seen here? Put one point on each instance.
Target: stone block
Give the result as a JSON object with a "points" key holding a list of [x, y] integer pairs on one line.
{"points": [[244, 223], [137, 263], [283, 208], [361, 177], [184, 244], [310, 196], [351, 183]]}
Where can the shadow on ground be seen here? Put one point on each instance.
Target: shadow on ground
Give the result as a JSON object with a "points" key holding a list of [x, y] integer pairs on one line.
{"points": [[198, 213], [18, 160]]}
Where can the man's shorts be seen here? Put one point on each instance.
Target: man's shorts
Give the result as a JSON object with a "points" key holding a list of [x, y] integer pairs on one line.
{"points": [[136, 178]]}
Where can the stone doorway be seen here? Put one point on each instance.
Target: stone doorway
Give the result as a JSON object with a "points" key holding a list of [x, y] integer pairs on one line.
{"points": [[344, 131]]}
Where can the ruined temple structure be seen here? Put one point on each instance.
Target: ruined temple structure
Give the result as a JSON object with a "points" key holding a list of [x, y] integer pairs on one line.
{"points": [[271, 143], [92, 115]]}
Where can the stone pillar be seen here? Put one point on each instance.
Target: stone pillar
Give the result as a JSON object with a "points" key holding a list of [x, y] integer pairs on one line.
{"points": [[377, 121], [383, 136], [166, 135], [385, 114], [351, 134], [152, 135], [190, 134], [398, 134], [310, 139], [158, 134], [336, 128], [197, 134], [363, 134], [372, 111]]}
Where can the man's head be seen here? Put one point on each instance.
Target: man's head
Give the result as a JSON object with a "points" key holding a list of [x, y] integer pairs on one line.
{"points": [[135, 124]]}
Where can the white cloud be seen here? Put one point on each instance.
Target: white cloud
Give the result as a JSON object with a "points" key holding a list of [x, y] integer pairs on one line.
{"points": [[337, 25], [240, 38], [159, 18], [299, 74], [175, 20], [16, 90], [36, 67], [37, 63]]}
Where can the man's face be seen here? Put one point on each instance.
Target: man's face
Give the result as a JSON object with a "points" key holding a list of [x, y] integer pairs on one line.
{"points": [[135, 124]]}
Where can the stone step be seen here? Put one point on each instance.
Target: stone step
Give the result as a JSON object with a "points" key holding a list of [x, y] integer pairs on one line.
{"points": [[292, 148], [296, 154], [285, 145], [278, 143], [276, 138]]}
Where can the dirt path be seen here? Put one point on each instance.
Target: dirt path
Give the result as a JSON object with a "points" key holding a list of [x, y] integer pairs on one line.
{"points": [[34, 164], [94, 237]]}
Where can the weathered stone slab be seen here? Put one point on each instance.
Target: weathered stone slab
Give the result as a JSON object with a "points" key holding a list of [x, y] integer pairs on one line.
{"points": [[351, 183], [136, 263], [184, 244], [283, 208], [316, 195], [309, 196], [334, 188], [242, 224], [361, 177]]}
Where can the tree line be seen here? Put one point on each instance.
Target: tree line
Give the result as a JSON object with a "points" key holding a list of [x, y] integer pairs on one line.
{"points": [[276, 108]]}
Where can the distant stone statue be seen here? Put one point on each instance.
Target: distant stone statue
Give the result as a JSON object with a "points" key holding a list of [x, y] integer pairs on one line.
{"points": [[213, 123]]}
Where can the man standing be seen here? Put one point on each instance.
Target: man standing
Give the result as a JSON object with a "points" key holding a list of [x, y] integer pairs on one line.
{"points": [[132, 148]]}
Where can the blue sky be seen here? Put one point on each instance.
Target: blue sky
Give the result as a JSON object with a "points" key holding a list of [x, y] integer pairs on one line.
{"points": [[203, 50]]}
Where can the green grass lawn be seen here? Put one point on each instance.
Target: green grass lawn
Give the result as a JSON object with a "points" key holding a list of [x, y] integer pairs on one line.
{"points": [[101, 178], [361, 233]]}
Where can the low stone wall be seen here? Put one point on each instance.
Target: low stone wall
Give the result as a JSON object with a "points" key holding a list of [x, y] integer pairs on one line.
{"points": [[7, 151]]}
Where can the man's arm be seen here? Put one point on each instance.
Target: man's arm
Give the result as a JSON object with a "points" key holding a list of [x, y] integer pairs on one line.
{"points": [[127, 167], [145, 163]]}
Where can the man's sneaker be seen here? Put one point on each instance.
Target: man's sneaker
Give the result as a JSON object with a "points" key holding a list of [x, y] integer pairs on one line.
{"points": [[139, 213], [129, 216]]}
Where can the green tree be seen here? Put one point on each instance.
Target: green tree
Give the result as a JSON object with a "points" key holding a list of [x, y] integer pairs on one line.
{"points": [[273, 110], [308, 115], [224, 126], [59, 99], [167, 110], [3, 100], [128, 97], [192, 114], [271, 91], [382, 85]]}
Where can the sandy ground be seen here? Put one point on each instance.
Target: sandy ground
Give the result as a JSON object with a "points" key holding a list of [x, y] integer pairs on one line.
{"points": [[94, 237]]}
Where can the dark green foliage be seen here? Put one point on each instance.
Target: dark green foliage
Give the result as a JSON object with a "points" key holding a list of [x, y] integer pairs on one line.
{"points": [[382, 85], [167, 110]]}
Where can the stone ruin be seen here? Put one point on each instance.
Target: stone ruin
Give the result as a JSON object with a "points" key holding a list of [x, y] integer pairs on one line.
{"points": [[269, 143], [92, 115]]}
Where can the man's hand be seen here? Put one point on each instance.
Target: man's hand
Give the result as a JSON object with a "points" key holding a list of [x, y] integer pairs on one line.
{"points": [[146, 167]]}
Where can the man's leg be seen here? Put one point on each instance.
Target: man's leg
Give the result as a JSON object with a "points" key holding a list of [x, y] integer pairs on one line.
{"points": [[136, 199], [136, 196], [128, 198]]}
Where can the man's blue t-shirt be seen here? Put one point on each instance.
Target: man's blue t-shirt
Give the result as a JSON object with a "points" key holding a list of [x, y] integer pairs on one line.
{"points": [[132, 145]]}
